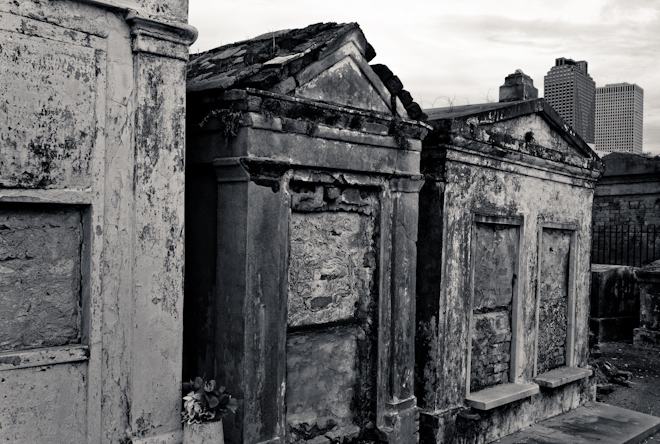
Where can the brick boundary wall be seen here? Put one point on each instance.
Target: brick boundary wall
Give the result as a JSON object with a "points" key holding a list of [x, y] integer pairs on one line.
{"points": [[627, 198]]}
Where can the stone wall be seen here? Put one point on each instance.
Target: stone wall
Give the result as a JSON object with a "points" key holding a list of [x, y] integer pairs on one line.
{"points": [[627, 197], [614, 302], [629, 190], [628, 209]]}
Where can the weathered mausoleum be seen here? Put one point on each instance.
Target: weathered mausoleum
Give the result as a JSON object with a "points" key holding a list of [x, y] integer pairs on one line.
{"points": [[302, 180], [503, 269], [91, 220]]}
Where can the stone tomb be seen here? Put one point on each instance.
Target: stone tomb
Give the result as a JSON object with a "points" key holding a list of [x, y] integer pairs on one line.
{"points": [[302, 191], [503, 270], [91, 220], [648, 334], [615, 302]]}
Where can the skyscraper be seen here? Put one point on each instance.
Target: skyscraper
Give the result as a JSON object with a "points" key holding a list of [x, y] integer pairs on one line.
{"points": [[619, 118], [571, 91]]}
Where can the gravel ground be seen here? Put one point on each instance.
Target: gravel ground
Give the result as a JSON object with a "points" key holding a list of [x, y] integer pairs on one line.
{"points": [[644, 396]]}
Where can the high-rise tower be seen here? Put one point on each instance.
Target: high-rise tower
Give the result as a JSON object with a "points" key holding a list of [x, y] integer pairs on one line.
{"points": [[619, 118], [571, 91]]}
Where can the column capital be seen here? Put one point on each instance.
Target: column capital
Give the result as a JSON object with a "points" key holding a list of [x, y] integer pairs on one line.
{"points": [[410, 184], [160, 37], [263, 172], [152, 35]]}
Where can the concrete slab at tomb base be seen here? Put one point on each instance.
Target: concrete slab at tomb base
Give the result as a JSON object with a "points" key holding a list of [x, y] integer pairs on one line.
{"points": [[593, 422]]}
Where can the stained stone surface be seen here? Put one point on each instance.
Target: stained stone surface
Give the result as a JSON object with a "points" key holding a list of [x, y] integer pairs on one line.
{"points": [[330, 313], [322, 372], [48, 124]]}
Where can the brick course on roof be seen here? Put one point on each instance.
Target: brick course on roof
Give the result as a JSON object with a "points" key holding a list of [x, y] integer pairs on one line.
{"points": [[271, 61]]}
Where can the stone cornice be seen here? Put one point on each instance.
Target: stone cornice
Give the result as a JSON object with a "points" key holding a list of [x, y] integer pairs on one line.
{"points": [[113, 5], [169, 39], [152, 35], [525, 165]]}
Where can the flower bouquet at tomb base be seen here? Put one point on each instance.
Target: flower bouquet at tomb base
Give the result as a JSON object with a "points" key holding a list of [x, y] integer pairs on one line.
{"points": [[204, 405]]}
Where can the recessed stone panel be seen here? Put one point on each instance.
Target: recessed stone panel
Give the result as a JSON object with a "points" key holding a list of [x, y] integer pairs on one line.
{"points": [[553, 304], [44, 404], [494, 265], [47, 115], [495, 257], [322, 382], [331, 266], [345, 84], [40, 276]]}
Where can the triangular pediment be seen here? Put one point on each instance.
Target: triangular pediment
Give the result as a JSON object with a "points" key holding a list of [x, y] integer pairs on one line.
{"points": [[527, 126], [532, 131], [344, 83]]}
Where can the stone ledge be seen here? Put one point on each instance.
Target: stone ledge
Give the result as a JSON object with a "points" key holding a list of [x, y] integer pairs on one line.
{"points": [[166, 438], [499, 395], [16, 359], [60, 196], [562, 376]]}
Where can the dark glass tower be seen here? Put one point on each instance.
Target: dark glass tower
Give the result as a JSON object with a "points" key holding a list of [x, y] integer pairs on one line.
{"points": [[571, 91]]}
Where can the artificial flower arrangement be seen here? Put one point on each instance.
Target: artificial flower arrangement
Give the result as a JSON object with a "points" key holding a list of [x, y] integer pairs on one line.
{"points": [[206, 401]]}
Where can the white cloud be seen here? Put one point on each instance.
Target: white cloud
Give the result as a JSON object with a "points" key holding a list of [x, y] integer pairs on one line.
{"points": [[466, 49]]}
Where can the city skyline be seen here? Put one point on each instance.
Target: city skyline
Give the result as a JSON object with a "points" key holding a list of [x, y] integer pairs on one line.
{"points": [[461, 53]]}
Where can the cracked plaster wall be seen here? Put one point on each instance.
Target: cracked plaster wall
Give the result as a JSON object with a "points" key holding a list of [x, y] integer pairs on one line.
{"points": [[49, 90], [54, 416]]}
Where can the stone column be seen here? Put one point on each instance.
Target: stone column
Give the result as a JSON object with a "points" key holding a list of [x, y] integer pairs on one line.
{"points": [[399, 419], [160, 54], [252, 233]]}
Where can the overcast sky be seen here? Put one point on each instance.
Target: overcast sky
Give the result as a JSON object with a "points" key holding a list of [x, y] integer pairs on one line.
{"points": [[461, 51]]}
